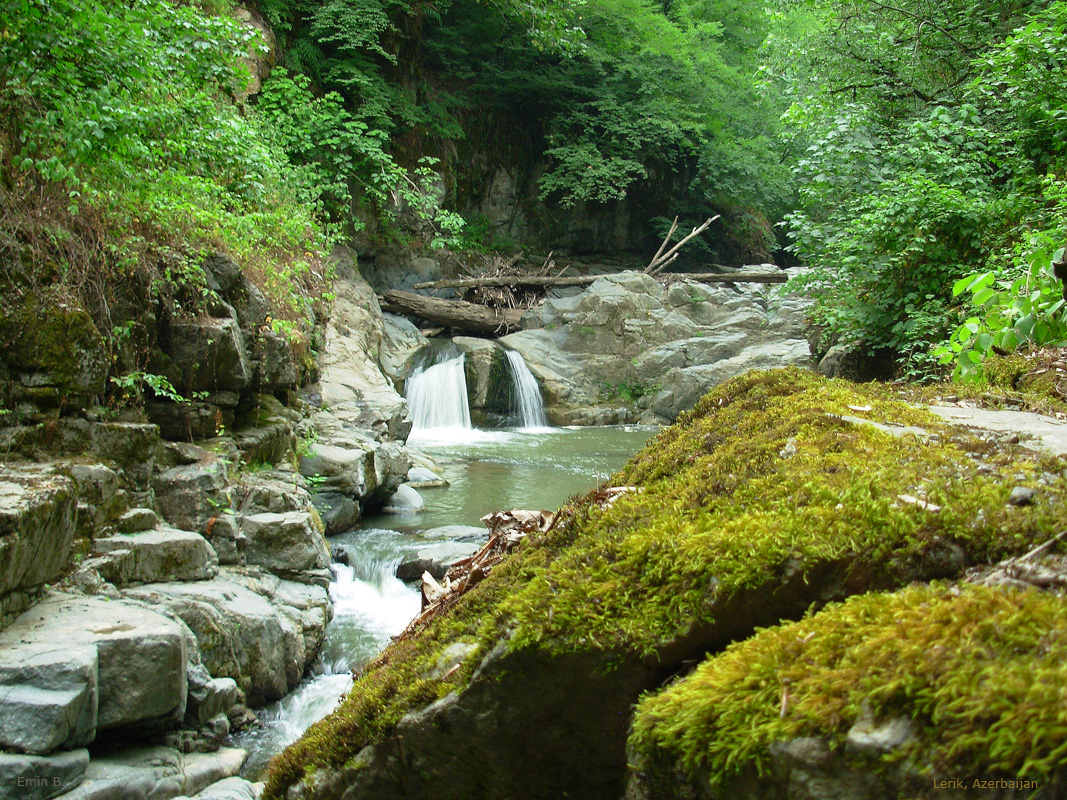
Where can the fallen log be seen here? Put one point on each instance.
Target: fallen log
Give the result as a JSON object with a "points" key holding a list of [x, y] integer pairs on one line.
{"points": [[453, 313], [585, 280]]}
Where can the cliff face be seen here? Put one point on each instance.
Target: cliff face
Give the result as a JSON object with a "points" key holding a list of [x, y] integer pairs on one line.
{"points": [[778, 493]]}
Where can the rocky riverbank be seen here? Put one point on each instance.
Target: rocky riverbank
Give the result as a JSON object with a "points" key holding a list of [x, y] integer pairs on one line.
{"points": [[164, 571], [780, 494]]}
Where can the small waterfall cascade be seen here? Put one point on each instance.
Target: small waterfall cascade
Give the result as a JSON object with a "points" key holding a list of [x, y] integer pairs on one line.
{"points": [[527, 394], [437, 394]]}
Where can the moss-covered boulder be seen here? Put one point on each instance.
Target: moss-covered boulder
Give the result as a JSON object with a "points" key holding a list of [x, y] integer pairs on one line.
{"points": [[909, 694], [772, 496], [54, 350]]}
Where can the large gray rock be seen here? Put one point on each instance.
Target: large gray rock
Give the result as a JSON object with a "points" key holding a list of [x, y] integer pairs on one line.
{"points": [[619, 341], [402, 345], [25, 777], [488, 384], [241, 634], [682, 387], [131, 642], [37, 521], [352, 387], [435, 559], [164, 554], [210, 353], [189, 496], [48, 698], [285, 543], [366, 471]]}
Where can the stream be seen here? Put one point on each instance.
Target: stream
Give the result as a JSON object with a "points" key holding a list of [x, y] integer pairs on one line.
{"points": [[533, 466]]}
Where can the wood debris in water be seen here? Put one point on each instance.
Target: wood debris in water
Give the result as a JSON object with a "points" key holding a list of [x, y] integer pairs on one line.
{"points": [[507, 529]]}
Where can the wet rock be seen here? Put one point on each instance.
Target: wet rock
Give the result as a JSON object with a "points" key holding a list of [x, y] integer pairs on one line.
{"points": [[402, 345], [231, 789], [459, 533], [272, 363], [404, 500], [435, 559], [24, 777], [423, 478], [209, 697]]}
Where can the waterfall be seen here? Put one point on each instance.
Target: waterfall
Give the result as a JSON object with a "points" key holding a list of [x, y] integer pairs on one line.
{"points": [[437, 395], [530, 409]]}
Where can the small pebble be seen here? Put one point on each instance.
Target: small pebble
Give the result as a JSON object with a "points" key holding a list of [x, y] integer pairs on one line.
{"points": [[1022, 496]]}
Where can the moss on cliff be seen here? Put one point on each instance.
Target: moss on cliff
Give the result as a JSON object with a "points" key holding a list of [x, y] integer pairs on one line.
{"points": [[764, 486], [979, 671]]}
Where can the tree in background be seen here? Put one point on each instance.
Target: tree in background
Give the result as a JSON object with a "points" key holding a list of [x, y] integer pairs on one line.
{"points": [[926, 150]]}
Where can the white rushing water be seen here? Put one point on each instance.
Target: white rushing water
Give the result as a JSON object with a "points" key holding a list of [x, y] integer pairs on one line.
{"points": [[530, 407], [370, 606], [437, 395]]}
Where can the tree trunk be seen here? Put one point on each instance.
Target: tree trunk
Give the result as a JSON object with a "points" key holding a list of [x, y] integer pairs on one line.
{"points": [[457, 314]]}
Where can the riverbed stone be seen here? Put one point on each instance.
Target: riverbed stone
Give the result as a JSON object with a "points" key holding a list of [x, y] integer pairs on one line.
{"points": [[24, 777], [405, 500], [37, 524], [164, 554], [130, 642], [435, 559], [423, 478], [285, 543]]}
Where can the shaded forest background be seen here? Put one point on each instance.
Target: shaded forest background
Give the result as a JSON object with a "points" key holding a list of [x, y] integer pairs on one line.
{"points": [[909, 154]]}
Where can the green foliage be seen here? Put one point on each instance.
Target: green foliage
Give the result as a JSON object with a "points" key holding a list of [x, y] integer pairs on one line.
{"points": [[977, 669], [1021, 305], [132, 384], [919, 149], [123, 150]]}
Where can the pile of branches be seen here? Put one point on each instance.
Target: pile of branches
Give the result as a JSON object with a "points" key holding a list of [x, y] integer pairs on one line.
{"points": [[495, 295]]}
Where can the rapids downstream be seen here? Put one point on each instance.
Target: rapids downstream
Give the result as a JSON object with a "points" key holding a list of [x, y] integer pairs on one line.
{"points": [[530, 465]]}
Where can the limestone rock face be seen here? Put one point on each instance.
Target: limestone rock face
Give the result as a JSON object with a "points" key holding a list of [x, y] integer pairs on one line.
{"points": [[626, 347], [37, 517], [242, 635], [285, 543], [163, 554], [130, 642], [352, 387]]}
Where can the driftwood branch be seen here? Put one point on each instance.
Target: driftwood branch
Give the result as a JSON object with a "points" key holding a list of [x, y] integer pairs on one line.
{"points": [[661, 259], [585, 280], [453, 313]]}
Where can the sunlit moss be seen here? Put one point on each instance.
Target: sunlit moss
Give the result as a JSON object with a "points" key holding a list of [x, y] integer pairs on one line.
{"points": [[765, 477], [981, 672]]}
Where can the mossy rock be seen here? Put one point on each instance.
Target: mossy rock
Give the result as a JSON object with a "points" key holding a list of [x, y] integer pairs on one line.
{"points": [[759, 504], [51, 342], [905, 694]]}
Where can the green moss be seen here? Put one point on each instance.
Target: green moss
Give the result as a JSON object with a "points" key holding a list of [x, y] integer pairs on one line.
{"points": [[979, 670], [762, 479]]}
